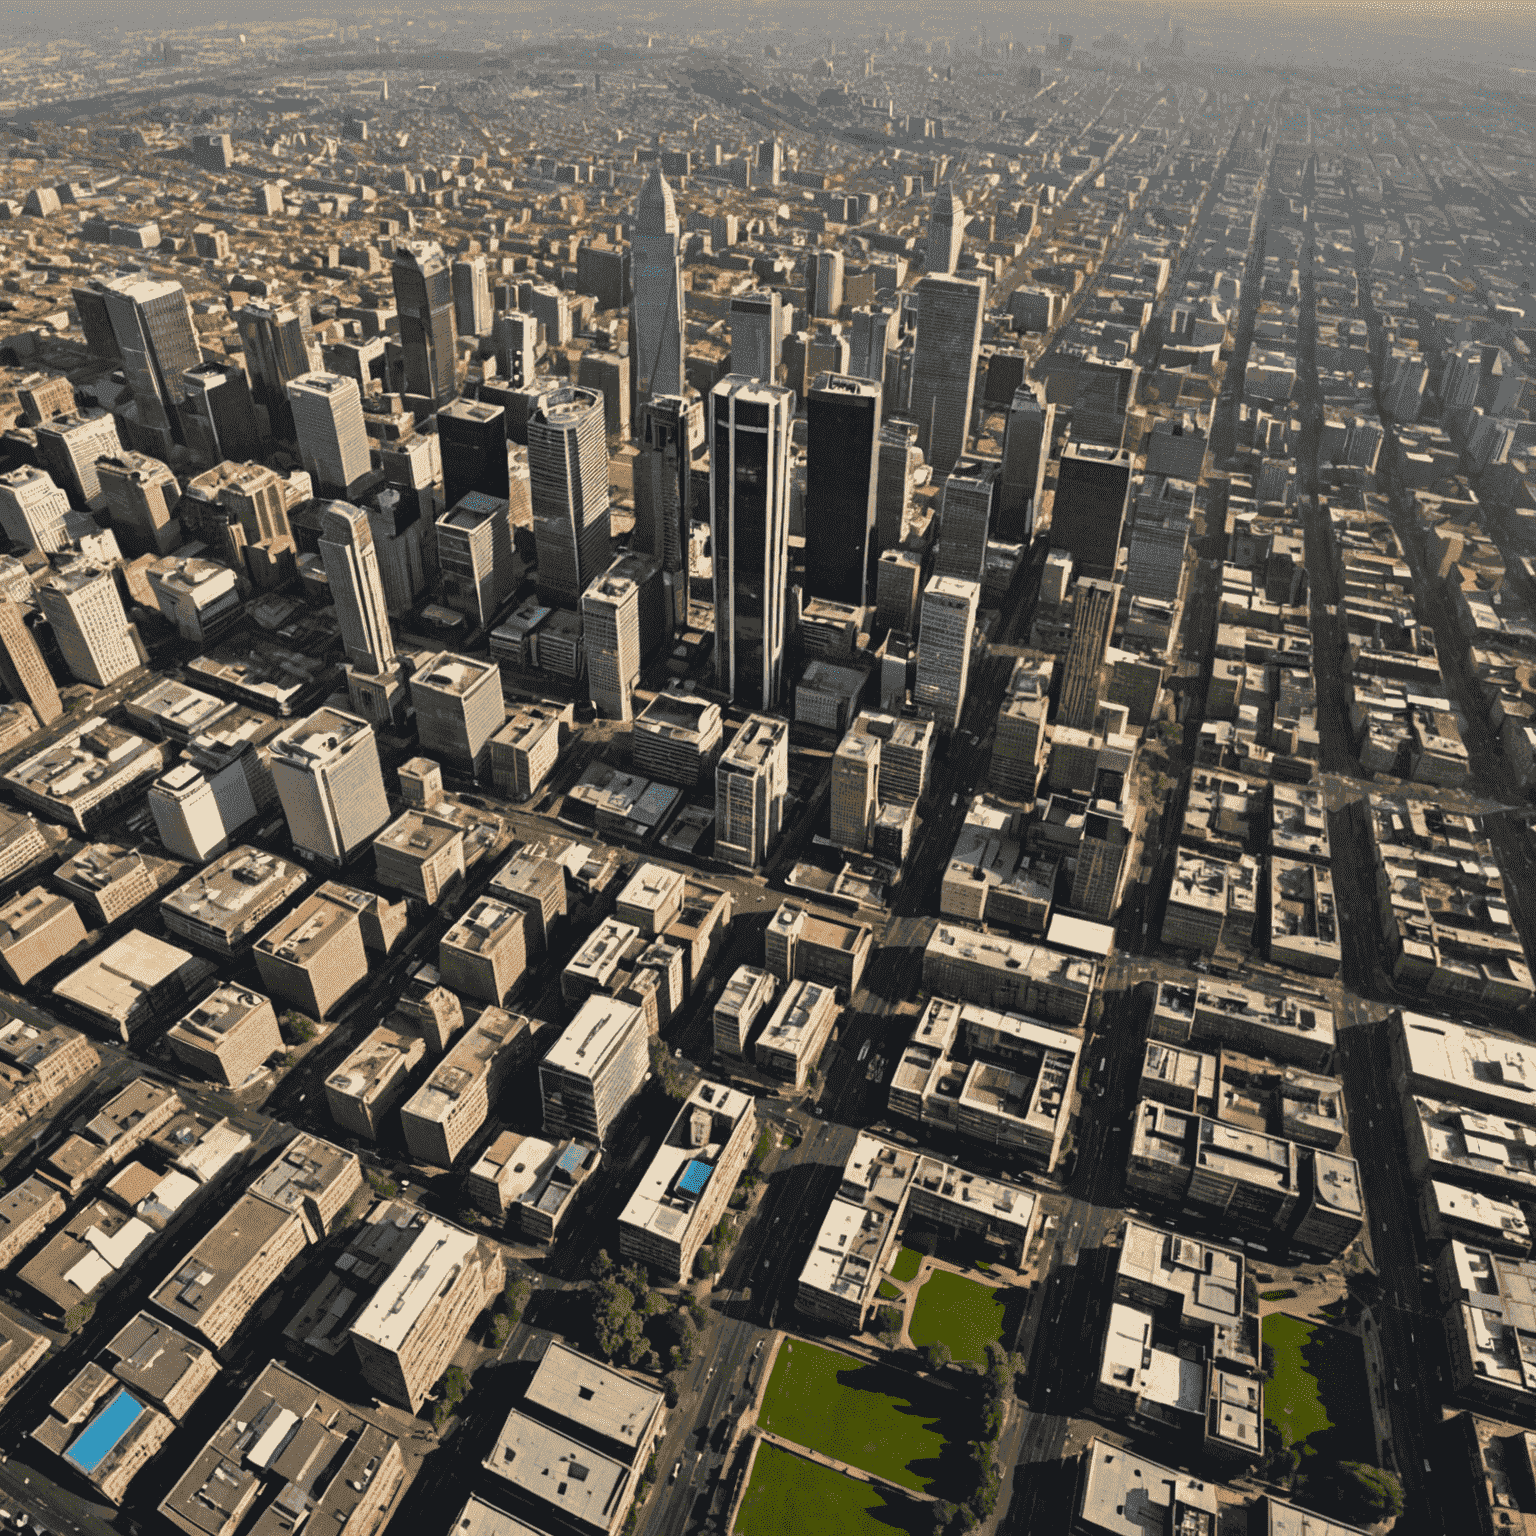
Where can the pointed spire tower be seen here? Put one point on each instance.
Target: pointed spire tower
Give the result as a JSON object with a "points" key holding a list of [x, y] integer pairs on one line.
{"points": [[656, 325]]}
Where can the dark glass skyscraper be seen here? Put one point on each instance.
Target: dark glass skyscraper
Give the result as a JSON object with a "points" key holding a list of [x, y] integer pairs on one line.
{"points": [[1093, 489], [429, 337], [217, 413], [472, 435], [842, 471], [278, 347]]}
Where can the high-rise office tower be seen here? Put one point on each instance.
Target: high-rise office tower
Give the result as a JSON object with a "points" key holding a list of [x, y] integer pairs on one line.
{"points": [[1101, 866], [218, 414], [1026, 449], [33, 509], [428, 337], [1093, 490], [657, 335], [327, 774], [328, 424], [964, 521], [142, 496], [946, 233], [152, 321], [1093, 619], [749, 427], [607, 374], [855, 785], [824, 284], [357, 588], [69, 447], [22, 668], [472, 435], [467, 536], [946, 629], [671, 434], [459, 708], [751, 783], [279, 347], [610, 613], [568, 483], [90, 301], [472, 311], [1103, 393], [949, 313], [398, 535], [757, 334], [842, 469], [899, 460], [516, 337], [86, 614], [874, 335], [770, 162]]}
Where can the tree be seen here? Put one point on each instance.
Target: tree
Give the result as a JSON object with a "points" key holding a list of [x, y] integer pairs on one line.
{"points": [[1357, 1492], [936, 1355], [1267, 1362], [1280, 1463], [602, 1265], [704, 1262]]}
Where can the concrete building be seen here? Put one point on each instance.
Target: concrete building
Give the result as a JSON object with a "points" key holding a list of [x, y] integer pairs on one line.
{"points": [[595, 967], [200, 597], [38, 1065], [948, 342], [677, 737], [420, 854], [1009, 975], [751, 782], [946, 631], [442, 1115], [554, 1193], [228, 1036], [485, 953], [313, 1178], [82, 603], [26, 1212], [568, 477], [1487, 1325], [22, 668], [326, 769], [805, 945], [368, 1084], [1225, 1013], [132, 983], [685, 1188], [87, 774], [313, 957], [459, 708], [328, 425], [594, 1069], [797, 1032], [741, 1004], [36, 929], [103, 1431], [855, 791], [117, 1130], [225, 904], [1121, 1494], [34, 510], [610, 615], [652, 900]]}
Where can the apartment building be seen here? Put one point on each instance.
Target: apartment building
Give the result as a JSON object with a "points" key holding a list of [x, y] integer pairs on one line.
{"points": [[484, 954], [1009, 975], [594, 1069], [225, 904], [442, 1115], [368, 1084], [741, 1004], [420, 854], [313, 957], [37, 1067], [127, 1120], [36, 929], [797, 1032], [108, 881], [314, 1178], [26, 1212], [228, 1036]]}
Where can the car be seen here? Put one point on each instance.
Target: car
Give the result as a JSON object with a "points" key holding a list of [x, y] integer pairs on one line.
{"points": [[677, 1466]]}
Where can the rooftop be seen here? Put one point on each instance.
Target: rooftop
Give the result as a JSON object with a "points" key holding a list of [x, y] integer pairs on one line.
{"points": [[437, 1253]]}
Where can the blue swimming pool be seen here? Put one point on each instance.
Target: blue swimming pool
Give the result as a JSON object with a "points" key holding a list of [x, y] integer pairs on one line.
{"points": [[102, 1435]]}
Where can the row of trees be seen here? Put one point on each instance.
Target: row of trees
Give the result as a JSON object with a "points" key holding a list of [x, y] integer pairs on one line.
{"points": [[999, 1376], [640, 1327]]}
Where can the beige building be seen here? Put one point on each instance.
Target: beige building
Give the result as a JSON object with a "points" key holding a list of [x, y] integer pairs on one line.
{"points": [[20, 1351], [314, 1178], [125, 987], [161, 1366], [102, 1431], [124, 1123], [224, 905], [594, 967], [228, 1036], [419, 1316], [795, 1035], [452, 1104], [594, 1069], [1009, 975], [746, 995], [537, 885], [802, 945], [483, 955], [36, 928], [90, 1252], [652, 899], [363, 1089], [108, 881], [37, 1066], [555, 1192], [420, 854], [25, 1214], [313, 957], [431, 1008], [383, 922]]}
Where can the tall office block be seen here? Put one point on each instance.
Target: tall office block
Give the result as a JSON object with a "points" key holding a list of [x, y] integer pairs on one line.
{"points": [[874, 335], [357, 588], [212, 151], [90, 301], [1093, 490], [657, 335], [757, 334], [22, 668], [82, 604], [770, 162], [671, 435], [516, 338], [279, 347], [842, 472], [428, 337], [1026, 448], [855, 790], [610, 612], [898, 463], [749, 535], [607, 374], [944, 357], [472, 311], [472, 436], [964, 520], [594, 1069], [69, 447], [33, 509], [326, 770], [946, 233], [1102, 395], [459, 707], [152, 321], [568, 481], [751, 783], [218, 415], [1101, 866], [823, 284], [42, 396], [1093, 619], [467, 539], [945, 632], [328, 424], [551, 307]]}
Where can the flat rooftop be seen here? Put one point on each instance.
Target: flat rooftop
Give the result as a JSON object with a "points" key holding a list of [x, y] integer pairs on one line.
{"points": [[598, 1400], [436, 1255]]}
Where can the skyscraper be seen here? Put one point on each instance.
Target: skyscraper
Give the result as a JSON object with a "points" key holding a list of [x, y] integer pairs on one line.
{"points": [[749, 535], [671, 433], [949, 313], [610, 612], [757, 334], [467, 535], [328, 424], [22, 668], [428, 337], [515, 335], [770, 162], [471, 296], [279, 347], [946, 233], [1026, 448], [568, 483], [751, 782], [142, 497], [33, 509], [874, 335], [152, 322], [218, 414], [1093, 490], [824, 284], [70, 446], [1093, 618], [357, 589], [86, 614], [899, 459], [472, 435], [842, 469], [945, 631], [90, 303], [459, 708], [326, 770], [964, 522], [656, 327]]}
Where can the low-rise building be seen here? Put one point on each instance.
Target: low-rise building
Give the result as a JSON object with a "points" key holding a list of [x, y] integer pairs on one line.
{"points": [[20, 1351], [420, 854], [1196, 1291], [537, 886], [1175, 1075], [699, 929], [1121, 1494], [25, 1214], [36, 929], [367, 1085], [123, 1124], [1492, 1153], [228, 1036], [684, 1190], [594, 966], [677, 737], [86, 776], [740, 1005], [1481, 1068], [103, 1431], [108, 881], [797, 1032], [383, 922], [561, 1175], [442, 1115], [314, 956], [1304, 930], [1496, 1472], [1008, 975], [1291, 1029], [1448, 1211], [129, 985], [1489, 1329], [89, 1253], [38, 1065], [804, 946], [160, 1365], [652, 900], [313, 1178]]}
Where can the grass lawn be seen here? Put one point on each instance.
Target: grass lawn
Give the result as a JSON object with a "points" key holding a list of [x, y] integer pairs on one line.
{"points": [[887, 1291], [907, 1264], [869, 1416], [964, 1314], [1317, 1395], [788, 1493], [1281, 1295]]}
